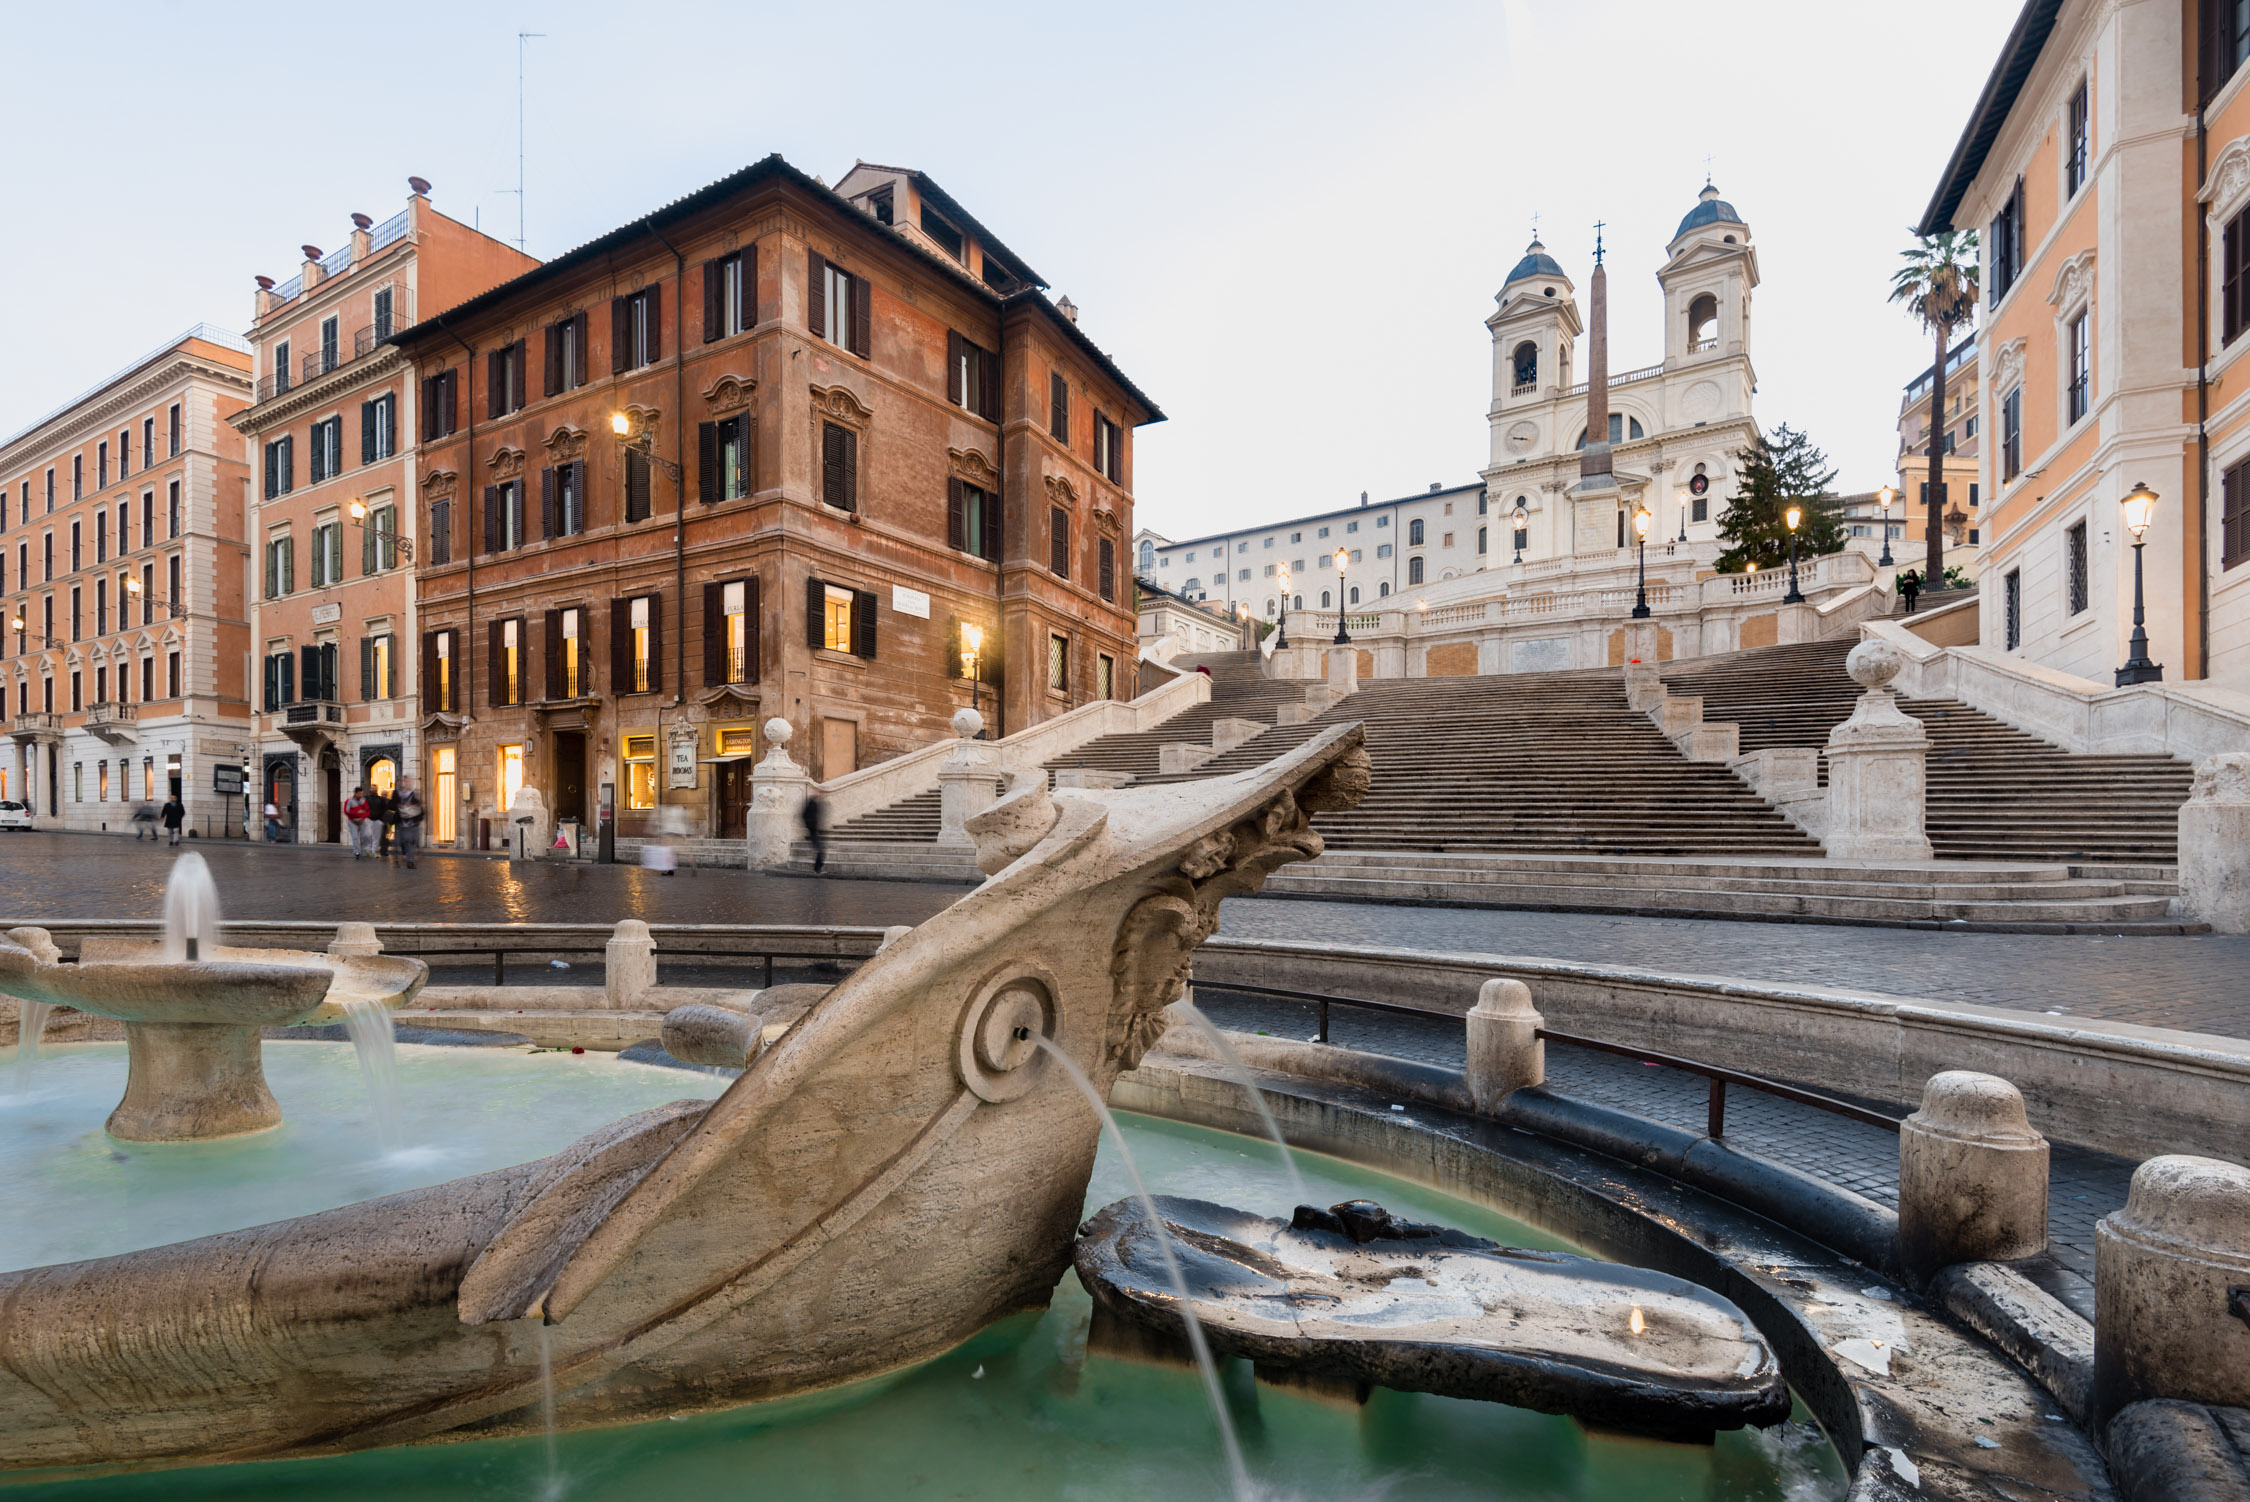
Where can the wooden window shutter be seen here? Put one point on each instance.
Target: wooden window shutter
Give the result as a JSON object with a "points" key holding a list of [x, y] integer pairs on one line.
{"points": [[655, 296], [851, 469], [956, 514], [288, 464], [621, 646], [580, 370], [495, 667], [491, 518], [953, 391], [553, 643], [750, 286], [1058, 407], [495, 364], [816, 608], [714, 634], [750, 629], [547, 522], [367, 667], [1107, 575], [863, 321], [1058, 542], [863, 623], [816, 294], [520, 352], [449, 390], [308, 673], [2231, 487], [2236, 249], [367, 548], [620, 324], [288, 679], [429, 408], [711, 329], [554, 358], [707, 460], [832, 464], [581, 498], [995, 517], [989, 399], [367, 432], [655, 642], [430, 695]]}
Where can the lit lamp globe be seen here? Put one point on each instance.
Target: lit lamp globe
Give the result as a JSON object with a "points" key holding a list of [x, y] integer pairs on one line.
{"points": [[620, 424], [1792, 516], [359, 509], [1641, 520], [2140, 510]]}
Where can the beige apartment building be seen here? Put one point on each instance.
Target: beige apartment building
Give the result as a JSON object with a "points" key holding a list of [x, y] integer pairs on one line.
{"points": [[123, 640], [331, 437]]}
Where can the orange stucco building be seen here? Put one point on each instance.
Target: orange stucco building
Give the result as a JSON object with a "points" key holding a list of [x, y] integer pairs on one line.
{"points": [[2107, 168], [334, 533], [868, 471], [123, 643]]}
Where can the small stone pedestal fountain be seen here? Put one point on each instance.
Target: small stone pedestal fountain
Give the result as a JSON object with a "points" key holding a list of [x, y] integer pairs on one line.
{"points": [[193, 1012]]}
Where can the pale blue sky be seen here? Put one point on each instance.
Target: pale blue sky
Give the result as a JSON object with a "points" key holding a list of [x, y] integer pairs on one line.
{"points": [[1287, 222]]}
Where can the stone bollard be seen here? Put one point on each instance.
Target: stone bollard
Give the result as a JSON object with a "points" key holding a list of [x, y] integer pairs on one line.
{"points": [[778, 786], [2215, 844], [1343, 672], [967, 782], [355, 941], [1505, 1051], [2172, 1289], [1877, 779], [628, 965], [1972, 1176]]}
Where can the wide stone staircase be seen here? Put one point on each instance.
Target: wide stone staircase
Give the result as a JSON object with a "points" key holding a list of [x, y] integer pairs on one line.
{"points": [[1995, 792]]}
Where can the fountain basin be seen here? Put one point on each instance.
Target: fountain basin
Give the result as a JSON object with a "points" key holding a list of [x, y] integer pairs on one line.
{"points": [[1355, 1296], [193, 1026]]}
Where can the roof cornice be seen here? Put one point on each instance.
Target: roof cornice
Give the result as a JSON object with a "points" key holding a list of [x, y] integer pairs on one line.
{"points": [[292, 404], [2018, 55], [66, 430]]}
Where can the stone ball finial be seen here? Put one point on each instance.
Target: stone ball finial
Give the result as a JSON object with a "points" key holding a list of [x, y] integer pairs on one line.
{"points": [[1873, 664], [630, 929], [1969, 1106], [777, 731], [967, 723]]}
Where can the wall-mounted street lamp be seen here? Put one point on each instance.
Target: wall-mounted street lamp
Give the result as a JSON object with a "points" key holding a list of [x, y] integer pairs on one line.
{"points": [[2140, 510], [1343, 561], [1642, 517], [171, 606], [405, 545], [1793, 516], [972, 659], [1884, 499], [644, 444], [49, 643]]}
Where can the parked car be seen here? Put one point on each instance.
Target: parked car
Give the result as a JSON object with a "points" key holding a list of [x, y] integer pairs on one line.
{"points": [[15, 816]]}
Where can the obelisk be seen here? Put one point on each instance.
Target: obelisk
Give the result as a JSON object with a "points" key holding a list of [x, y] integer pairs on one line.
{"points": [[1593, 463]]}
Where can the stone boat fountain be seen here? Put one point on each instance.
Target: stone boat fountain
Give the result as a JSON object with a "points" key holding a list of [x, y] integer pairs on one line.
{"points": [[194, 1012], [898, 1166]]}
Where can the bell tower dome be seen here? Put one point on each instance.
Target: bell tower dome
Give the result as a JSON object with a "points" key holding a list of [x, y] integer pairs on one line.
{"points": [[1534, 330], [1710, 270]]}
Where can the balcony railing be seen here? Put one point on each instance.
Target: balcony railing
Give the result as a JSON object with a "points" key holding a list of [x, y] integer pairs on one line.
{"points": [[1646, 372], [315, 713], [1702, 346], [391, 229], [274, 385], [112, 713], [38, 722], [322, 361]]}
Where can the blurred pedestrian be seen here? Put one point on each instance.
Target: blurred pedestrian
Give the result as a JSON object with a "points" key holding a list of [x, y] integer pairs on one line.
{"points": [[816, 828], [383, 810], [273, 824], [174, 816], [144, 821], [410, 816], [1909, 588], [356, 819]]}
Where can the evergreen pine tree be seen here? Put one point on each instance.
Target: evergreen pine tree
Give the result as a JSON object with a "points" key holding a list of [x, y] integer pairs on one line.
{"points": [[1773, 474]]}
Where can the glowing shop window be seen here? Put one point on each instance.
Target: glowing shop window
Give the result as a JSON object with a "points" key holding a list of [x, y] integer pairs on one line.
{"points": [[103, 777], [445, 796], [445, 671], [382, 776], [510, 778], [732, 605], [572, 682], [640, 771], [511, 655], [738, 742], [837, 617]]}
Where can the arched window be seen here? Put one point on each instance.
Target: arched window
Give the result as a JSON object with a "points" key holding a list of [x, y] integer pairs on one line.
{"points": [[1619, 426], [1148, 556], [1271, 608], [1355, 594], [1526, 363], [1300, 604], [1414, 533], [1383, 589], [1480, 539], [1703, 322], [1324, 599], [1414, 567]]}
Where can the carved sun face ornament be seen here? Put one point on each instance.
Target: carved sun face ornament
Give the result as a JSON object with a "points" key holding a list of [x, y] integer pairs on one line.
{"points": [[997, 1050]]}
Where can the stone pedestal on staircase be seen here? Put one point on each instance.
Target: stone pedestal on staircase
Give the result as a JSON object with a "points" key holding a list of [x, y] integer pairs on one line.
{"points": [[778, 789], [968, 782], [2215, 844], [1877, 768]]}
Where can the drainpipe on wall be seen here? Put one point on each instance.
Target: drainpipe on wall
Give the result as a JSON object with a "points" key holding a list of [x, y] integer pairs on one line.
{"points": [[1000, 569], [2202, 404], [679, 470], [467, 665]]}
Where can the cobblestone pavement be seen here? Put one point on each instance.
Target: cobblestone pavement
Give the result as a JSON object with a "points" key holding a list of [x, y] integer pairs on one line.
{"points": [[2083, 1185], [114, 876], [2192, 982]]}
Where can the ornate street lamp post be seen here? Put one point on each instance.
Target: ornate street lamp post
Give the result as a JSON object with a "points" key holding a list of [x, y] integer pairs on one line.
{"points": [[1343, 562], [1792, 516], [405, 545], [1683, 513], [1522, 519], [1641, 519], [1281, 635], [2140, 510], [1883, 500]]}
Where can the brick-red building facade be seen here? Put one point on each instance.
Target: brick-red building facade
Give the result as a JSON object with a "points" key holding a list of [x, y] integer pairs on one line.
{"points": [[888, 443]]}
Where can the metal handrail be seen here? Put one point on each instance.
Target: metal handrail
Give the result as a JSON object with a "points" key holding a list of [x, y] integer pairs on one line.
{"points": [[1715, 1112], [500, 955]]}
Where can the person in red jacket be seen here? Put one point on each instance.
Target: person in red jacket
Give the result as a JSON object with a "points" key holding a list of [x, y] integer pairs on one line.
{"points": [[356, 819]]}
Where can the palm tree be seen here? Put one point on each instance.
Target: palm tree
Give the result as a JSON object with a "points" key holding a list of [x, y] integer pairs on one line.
{"points": [[1938, 284]]}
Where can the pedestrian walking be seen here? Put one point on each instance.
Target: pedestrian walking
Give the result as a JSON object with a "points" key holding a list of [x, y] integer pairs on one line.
{"points": [[356, 817], [1909, 586], [383, 810], [273, 824], [174, 816], [816, 828], [144, 821], [410, 816]]}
